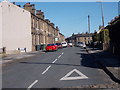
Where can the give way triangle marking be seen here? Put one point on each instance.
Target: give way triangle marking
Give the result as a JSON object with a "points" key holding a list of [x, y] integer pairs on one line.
{"points": [[67, 76]]}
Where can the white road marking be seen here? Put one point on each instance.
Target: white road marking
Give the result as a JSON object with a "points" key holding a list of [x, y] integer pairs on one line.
{"points": [[62, 53], [81, 75], [46, 69], [59, 56], [32, 84], [54, 60]]}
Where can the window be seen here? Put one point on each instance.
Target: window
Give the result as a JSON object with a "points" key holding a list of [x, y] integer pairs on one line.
{"points": [[33, 22], [37, 24]]}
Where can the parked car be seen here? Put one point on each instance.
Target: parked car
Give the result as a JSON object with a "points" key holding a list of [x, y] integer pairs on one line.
{"points": [[51, 47], [80, 44], [64, 44], [70, 44], [59, 45], [84, 45]]}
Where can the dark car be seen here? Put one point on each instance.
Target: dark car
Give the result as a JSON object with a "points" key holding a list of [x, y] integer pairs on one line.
{"points": [[59, 45]]}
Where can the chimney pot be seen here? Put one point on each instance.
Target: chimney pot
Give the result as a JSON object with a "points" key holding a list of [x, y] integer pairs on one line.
{"points": [[14, 3], [18, 5], [28, 3]]}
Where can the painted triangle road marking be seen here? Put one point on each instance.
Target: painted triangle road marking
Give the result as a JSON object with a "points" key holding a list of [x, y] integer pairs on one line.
{"points": [[67, 76]]}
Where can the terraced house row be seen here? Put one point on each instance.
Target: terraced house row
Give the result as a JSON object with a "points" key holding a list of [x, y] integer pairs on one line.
{"points": [[25, 28], [43, 31]]}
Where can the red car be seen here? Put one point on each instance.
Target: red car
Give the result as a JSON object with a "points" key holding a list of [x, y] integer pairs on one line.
{"points": [[59, 45], [51, 47]]}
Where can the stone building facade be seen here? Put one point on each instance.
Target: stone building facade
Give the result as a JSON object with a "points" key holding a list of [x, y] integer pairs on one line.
{"points": [[62, 37], [76, 38], [16, 28], [25, 28], [43, 31]]}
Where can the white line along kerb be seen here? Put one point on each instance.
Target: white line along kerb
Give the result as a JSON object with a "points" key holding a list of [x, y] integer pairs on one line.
{"points": [[32, 84], [46, 69], [81, 75]]}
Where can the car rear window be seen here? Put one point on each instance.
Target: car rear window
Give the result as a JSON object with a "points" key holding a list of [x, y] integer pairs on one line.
{"points": [[58, 43], [50, 44], [80, 42], [63, 43]]}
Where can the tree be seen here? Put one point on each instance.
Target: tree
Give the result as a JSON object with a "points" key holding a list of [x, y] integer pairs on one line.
{"points": [[104, 38]]}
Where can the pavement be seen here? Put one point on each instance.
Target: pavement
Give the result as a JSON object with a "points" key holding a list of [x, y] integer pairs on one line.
{"points": [[108, 62], [15, 57]]}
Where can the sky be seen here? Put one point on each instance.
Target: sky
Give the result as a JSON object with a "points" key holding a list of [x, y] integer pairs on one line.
{"points": [[72, 17], [62, 0]]}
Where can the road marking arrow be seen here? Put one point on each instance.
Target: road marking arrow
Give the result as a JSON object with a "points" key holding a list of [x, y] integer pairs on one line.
{"points": [[67, 76]]}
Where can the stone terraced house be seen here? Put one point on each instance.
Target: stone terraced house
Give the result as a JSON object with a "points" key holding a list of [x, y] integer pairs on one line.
{"points": [[25, 28]]}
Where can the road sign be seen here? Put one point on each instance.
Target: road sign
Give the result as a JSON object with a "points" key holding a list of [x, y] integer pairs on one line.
{"points": [[67, 76], [56, 39]]}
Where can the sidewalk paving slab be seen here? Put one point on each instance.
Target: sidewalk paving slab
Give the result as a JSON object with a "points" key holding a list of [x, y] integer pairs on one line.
{"points": [[109, 62], [14, 57]]}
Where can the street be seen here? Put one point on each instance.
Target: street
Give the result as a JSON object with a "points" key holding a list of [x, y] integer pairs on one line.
{"points": [[70, 67], [60, 45]]}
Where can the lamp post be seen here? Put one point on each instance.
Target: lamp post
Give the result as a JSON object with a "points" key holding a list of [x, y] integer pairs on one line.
{"points": [[102, 14], [89, 29], [104, 41]]}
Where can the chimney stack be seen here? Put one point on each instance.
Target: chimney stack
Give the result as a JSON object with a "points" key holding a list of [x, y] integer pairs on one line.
{"points": [[29, 7], [14, 3], [47, 20], [18, 5], [40, 14], [52, 24], [57, 28], [33, 8]]}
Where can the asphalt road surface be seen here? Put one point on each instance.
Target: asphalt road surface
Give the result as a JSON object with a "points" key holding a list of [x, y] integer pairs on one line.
{"points": [[66, 68]]}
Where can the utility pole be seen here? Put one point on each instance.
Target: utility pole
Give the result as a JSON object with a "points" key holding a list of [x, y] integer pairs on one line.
{"points": [[104, 41], [118, 8], [89, 29], [102, 14]]}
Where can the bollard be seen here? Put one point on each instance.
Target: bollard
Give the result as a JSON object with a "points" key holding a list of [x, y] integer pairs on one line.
{"points": [[4, 49], [19, 49], [25, 49]]}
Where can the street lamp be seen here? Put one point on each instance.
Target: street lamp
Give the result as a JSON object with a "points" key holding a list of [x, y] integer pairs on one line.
{"points": [[104, 41], [101, 6], [89, 29]]}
